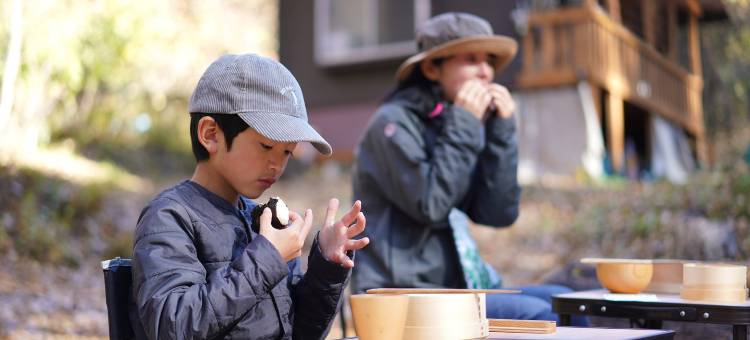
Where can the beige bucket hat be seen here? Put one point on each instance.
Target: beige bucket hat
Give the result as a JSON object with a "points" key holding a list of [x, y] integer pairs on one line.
{"points": [[451, 33]]}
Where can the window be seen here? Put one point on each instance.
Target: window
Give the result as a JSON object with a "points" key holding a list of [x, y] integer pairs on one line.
{"points": [[356, 31]]}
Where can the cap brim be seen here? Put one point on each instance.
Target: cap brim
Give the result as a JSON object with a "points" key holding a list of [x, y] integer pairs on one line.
{"points": [[286, 128], [503, 47]]}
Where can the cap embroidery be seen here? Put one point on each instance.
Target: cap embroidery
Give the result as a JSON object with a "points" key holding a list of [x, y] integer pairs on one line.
{"points": [[290, 90]]}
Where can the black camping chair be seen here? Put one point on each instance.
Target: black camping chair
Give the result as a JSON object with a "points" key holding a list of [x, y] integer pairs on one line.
{"points": [[117, 286], [342, 316], [117, 282]]}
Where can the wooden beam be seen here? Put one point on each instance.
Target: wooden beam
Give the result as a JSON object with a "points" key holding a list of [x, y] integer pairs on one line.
{"points": [[664, 110], [528, 52], [548, 47], [549, 78], [648, 12], [596, 96], [616, 130], [613, 7], [560, 16], [695, 46], [673, 30], [631, 39], [693, 6]]}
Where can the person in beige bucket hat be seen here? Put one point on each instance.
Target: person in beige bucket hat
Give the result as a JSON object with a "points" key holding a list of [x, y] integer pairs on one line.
{"points": [[439, 152]]}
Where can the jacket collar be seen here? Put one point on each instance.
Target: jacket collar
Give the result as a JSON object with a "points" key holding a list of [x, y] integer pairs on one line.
{"points": [[217, 201], [425, 101]]}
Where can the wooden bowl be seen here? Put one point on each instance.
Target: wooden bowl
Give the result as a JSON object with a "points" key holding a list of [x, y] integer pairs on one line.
{"points": [[628, 276], [379, 317]]}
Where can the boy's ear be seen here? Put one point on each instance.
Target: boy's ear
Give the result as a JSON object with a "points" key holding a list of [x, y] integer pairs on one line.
{"points": [[208, 134], [429, 69]]}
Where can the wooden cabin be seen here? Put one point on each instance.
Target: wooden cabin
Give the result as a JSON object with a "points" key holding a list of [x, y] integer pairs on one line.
{"points": [[636, 60], [636, 55]]}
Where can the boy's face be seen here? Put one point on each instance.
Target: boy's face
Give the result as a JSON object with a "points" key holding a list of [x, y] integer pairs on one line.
{"points": [[253, 164]]}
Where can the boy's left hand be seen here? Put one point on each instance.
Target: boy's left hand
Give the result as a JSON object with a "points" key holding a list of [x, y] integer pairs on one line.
{"points": [[335, 238]]}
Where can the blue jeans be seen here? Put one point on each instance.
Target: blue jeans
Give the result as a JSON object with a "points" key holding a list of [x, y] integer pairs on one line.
{"points": [[532, 304]]}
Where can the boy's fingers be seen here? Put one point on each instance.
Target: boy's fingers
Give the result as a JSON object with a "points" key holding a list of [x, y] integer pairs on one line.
{"points": [[293, 216], [265, 218], [295, 220], [357, 244], [344, 260], [357, 228], [333, 206], [351, 216], [307, 225]]}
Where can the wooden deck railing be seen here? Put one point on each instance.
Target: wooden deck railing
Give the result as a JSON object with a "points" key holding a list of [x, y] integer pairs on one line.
{"points": [[564, 46]]}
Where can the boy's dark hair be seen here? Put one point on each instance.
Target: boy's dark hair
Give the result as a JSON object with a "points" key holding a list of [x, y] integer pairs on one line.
{"points": [[231, 125]]}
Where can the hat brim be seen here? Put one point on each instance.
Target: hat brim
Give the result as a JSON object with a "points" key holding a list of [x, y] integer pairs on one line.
{"points": [[286, 128], [503, 47]]}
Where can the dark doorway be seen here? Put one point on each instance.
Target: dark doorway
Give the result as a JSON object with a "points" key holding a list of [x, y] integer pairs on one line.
{"points": [[637, 142]]}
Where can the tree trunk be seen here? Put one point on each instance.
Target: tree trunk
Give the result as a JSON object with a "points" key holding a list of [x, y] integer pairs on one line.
{"points": [[12, 62]]}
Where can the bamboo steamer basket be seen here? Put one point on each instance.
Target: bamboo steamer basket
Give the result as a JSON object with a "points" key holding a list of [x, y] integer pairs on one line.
{"points": [[715, 295], [446, 316], [667, 277], [716, 282]]}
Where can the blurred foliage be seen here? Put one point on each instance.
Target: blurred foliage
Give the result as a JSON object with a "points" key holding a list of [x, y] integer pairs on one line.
{"points": [[664, 220], [48, 219], [726, 63], [110, 80], [113, 77], [706, 219], [55, 221]]}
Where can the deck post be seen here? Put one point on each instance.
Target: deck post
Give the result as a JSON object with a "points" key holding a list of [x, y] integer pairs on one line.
{"points": [[613, 6], [616, 130]]}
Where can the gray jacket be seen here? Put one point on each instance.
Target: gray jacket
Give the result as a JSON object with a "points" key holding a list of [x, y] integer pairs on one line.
{"points": [[411, 171], [200, 272]]}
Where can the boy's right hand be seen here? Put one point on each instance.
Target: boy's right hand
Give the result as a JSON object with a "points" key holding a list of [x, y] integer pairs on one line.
{"points": [[288, 241]]}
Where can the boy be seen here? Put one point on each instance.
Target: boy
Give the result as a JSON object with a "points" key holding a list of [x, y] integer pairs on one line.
{"points": [[200, 269]]}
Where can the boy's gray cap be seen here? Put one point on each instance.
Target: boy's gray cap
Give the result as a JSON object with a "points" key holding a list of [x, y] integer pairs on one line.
{"points": [[262, 92]]}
